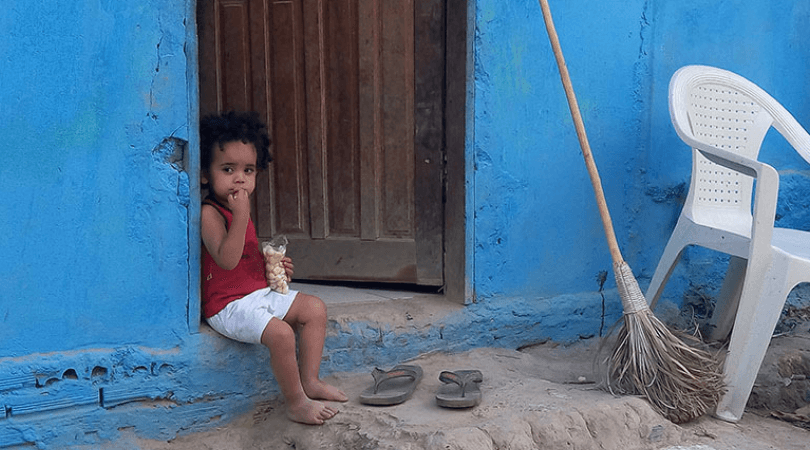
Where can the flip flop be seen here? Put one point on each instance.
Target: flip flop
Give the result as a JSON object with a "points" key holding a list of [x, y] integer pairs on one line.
{"points": [[461, 389], [392, 387]]}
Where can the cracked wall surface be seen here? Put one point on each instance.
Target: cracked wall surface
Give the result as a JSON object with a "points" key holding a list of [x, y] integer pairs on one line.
{"points": [[95, 263]]}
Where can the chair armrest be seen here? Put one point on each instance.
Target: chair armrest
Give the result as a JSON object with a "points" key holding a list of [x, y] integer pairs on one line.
{"points": [[725, 158], [766, 192]]}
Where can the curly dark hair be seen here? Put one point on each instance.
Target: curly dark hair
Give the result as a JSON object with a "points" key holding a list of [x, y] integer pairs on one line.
{"points": [[232, 126]]}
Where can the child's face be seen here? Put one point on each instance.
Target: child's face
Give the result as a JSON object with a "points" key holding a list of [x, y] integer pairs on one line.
{"points": [[233, 168]]}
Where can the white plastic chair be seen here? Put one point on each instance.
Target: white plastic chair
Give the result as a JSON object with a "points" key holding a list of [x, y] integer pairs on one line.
{"points": [[724, 118]]}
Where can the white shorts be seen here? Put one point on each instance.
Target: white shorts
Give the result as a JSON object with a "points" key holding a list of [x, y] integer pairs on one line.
{"points": [[244, 320]]}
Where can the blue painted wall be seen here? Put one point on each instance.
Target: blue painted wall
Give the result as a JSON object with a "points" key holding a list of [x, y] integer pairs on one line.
{"points": [[95, 261], [93, 102], [99, 255], [537, 232], [537, 229]]}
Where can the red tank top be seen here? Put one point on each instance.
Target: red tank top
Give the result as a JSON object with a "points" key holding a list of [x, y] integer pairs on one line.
{"points": [[221, 286]]}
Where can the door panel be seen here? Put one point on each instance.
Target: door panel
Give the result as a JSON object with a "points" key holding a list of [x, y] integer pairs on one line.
{"points": [[283, 81], [337, 82]]}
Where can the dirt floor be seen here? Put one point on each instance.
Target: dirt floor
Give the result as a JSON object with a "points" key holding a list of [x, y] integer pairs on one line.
{"points": [[542, 397]]}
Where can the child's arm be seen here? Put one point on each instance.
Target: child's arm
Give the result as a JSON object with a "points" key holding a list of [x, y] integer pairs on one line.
{"points": [[223, 244]]}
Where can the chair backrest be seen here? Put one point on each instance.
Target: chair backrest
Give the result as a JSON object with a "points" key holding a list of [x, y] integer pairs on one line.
{"points": [[724, 110]]}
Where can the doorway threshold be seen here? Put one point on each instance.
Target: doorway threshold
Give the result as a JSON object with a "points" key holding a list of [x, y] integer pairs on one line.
{"points": [[360, 293], [396, 307]]}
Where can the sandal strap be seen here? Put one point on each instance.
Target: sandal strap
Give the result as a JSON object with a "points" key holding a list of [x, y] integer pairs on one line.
{"points": [[381, 376], [461, 378]]}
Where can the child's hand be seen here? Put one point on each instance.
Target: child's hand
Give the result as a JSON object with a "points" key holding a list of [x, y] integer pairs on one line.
{"points": [[288, 266], [239, 203], [286, 263], [277, 271]]}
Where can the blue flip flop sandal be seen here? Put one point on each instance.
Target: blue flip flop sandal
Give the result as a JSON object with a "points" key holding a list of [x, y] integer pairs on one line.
{"points": [[392, 387]]}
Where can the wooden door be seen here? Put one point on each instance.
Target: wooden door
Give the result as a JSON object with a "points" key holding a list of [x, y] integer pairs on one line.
{"points": [[352, 90]]}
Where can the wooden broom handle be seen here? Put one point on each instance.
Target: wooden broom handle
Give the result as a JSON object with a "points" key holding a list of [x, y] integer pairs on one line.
{"points": [[615, 253]]}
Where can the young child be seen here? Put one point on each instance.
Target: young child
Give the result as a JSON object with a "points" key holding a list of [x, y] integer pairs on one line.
{"points": [[237, 301]]}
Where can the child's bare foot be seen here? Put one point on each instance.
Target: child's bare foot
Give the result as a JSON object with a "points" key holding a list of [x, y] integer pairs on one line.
{"points": [[310, 412], [322, 391]]}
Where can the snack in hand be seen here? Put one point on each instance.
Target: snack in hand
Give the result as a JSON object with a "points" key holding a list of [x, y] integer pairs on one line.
{"points": [[273, 252]]}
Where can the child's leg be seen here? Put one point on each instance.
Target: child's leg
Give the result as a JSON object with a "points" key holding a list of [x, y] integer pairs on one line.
{"points": [[279, 337], [308, 314]]}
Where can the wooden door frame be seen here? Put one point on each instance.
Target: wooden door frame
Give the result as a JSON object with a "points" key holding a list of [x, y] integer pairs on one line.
{"points": [[443, 135], [458, 55]]}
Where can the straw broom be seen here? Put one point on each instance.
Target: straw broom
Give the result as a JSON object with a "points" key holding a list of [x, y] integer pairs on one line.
{"points": [[680, 382]]}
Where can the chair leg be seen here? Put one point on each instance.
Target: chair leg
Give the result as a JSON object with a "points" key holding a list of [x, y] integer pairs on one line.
{"points": [[725, 310], [757, 315], [670, 257]]}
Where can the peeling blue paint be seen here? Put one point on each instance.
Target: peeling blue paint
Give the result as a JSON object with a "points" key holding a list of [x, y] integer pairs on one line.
{"points": [[675, 194]]}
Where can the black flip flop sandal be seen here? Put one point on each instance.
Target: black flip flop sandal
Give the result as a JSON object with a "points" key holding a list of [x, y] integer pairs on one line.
{"points": [[392, 387], [461, 389]]}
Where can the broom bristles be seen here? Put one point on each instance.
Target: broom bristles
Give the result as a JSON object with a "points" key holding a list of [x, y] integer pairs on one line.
{"points": [[681, 382]]}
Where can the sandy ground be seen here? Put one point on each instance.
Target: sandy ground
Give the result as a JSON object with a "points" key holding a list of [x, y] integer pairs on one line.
{"points": [[536, 398]]}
